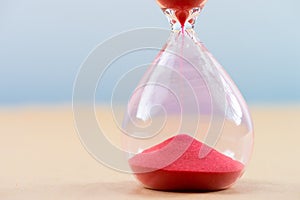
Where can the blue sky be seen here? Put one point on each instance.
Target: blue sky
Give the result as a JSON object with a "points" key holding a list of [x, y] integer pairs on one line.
{"points": [[43, 43]]}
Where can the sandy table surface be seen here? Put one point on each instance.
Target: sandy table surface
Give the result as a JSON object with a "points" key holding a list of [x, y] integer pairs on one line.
{"points": [[42, 158]]}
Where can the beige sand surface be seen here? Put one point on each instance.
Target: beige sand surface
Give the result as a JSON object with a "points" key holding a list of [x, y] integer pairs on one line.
{"points": [[42, 158]]}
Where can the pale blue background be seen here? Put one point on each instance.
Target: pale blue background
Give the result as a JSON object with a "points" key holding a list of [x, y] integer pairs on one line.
{"points": [[43, 43]]}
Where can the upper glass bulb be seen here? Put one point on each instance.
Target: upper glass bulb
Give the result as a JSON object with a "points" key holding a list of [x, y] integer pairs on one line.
{"points": [[181, 10]]}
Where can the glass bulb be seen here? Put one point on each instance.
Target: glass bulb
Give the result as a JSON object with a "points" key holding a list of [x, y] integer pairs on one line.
{"points": [[190, 127]]}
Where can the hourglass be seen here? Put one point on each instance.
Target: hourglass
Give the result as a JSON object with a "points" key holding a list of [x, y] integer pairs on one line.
{"points": [[190, 127]]}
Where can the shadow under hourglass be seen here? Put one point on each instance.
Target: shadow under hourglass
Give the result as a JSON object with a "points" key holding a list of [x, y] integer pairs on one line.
{"points": [[244, 189]]}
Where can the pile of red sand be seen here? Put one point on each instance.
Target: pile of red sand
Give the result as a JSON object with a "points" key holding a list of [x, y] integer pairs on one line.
{"points": [[188, 172]]}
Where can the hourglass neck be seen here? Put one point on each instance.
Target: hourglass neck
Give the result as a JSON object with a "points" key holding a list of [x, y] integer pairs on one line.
{"points": [[184, 33], [182, 19]]}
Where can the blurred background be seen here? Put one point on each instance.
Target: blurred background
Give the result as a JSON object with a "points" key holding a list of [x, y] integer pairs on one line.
{"points": [[43, 44]]}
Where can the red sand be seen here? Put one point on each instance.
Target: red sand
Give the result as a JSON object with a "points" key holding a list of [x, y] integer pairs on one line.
{"points": [[181, 7], [214, 172]]}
